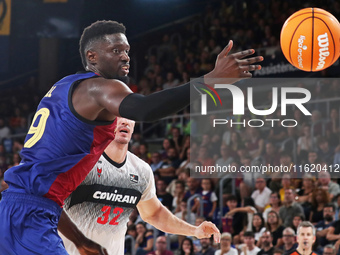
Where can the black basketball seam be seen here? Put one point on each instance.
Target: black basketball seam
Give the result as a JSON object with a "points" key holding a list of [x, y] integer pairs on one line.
{"points": [[290, 44], [311, 64]]}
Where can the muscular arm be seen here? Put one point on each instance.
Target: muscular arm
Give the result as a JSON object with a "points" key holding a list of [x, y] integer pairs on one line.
{"points": [[103, 99], [153, 212], [84, 245]]}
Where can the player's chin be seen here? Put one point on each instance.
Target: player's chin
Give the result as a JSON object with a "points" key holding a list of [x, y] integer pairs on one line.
{"points": [[122, 140], [123, 77]]}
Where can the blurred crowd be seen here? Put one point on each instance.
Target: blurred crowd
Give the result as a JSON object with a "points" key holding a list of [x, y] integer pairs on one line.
{"points": [[260, 213]]}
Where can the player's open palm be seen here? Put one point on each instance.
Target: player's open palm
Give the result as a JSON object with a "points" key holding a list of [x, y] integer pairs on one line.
{"points": [[234, 66], [206, 229]]}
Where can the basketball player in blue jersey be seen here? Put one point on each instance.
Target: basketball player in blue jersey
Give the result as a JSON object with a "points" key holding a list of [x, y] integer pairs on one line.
{"points": [[101, 205], [74, 123]]}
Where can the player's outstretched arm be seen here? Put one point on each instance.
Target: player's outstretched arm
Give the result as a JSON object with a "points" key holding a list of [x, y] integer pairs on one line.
{"points": [[84, 245], [100, 97], [153, 212]]}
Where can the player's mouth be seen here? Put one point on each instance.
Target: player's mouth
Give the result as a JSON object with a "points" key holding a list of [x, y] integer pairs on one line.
{"points": [[125, 69], [124, 130]]}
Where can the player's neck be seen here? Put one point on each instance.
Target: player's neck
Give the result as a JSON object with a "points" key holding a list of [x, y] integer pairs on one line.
{"points": [[117, 152], [304, 251]]}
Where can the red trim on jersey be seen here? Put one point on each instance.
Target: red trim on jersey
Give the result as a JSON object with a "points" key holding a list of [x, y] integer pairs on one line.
{"points": [[68, 181], [297, 253]]}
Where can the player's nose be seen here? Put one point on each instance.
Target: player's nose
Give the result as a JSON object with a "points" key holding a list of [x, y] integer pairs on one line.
{"points": [[125, 57]]}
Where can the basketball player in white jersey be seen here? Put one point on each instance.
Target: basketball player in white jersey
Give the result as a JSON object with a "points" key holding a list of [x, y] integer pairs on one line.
{"points": [[100, 207]]}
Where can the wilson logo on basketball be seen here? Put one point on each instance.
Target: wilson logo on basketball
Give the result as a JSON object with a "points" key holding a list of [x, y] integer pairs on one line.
{"points": [[323, 51]]}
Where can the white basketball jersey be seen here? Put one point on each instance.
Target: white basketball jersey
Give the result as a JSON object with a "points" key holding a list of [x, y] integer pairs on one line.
{"points": [[102, 204]]}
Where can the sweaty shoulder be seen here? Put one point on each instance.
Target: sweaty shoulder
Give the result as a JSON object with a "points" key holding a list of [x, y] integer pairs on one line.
{"points": [[99, 98]]}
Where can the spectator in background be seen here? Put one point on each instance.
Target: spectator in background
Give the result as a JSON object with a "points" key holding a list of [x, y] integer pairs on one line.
{"points": [[186, 164], [289, 242], [161, 247], [271, 157], [313, 157], [237, 219], [204, 158], [325, 152], [235, 143], [144, 153], [177, 138], [278, 133], [267, 244], [255, 145], [249, 248], [297, 220], [131, 231], [274, 205], [171, 81], [184, 214], [186, 247], [226, 249], [4, 130], [305, 143], [162, 195], [320, 198], [167, 143], [274, 225], [183, 155], [261, 194], [193, 188], [278, 252], [289, 208], [305, 193], [316, 123], [326, 184], [215, 146], [156, 162], [226, 159], [144, 240], [178, 195], [329, 250], [207, 249], [183, 175], [170, 164], [322, 227], [286, 183], [209, 198], [22, 127], [258, 226]]}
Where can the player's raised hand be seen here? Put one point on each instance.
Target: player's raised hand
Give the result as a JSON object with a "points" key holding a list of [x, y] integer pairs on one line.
{"points": [[234, 66], [206, 229]]}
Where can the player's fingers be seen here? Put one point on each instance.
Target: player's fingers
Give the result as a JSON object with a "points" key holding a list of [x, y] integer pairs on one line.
{"points": [[244, 53], [217, 237], [250, 61], [250, 68], [226, 50]]}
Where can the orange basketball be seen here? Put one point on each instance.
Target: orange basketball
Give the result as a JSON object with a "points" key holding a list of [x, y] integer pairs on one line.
{"points": [[310, 39]]}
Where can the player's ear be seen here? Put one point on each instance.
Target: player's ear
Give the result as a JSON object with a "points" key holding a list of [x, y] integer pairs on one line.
{"points": [[91, 56]]}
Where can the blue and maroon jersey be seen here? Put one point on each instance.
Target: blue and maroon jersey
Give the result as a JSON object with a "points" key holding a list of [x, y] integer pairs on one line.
{"points": [[61, 147]]}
